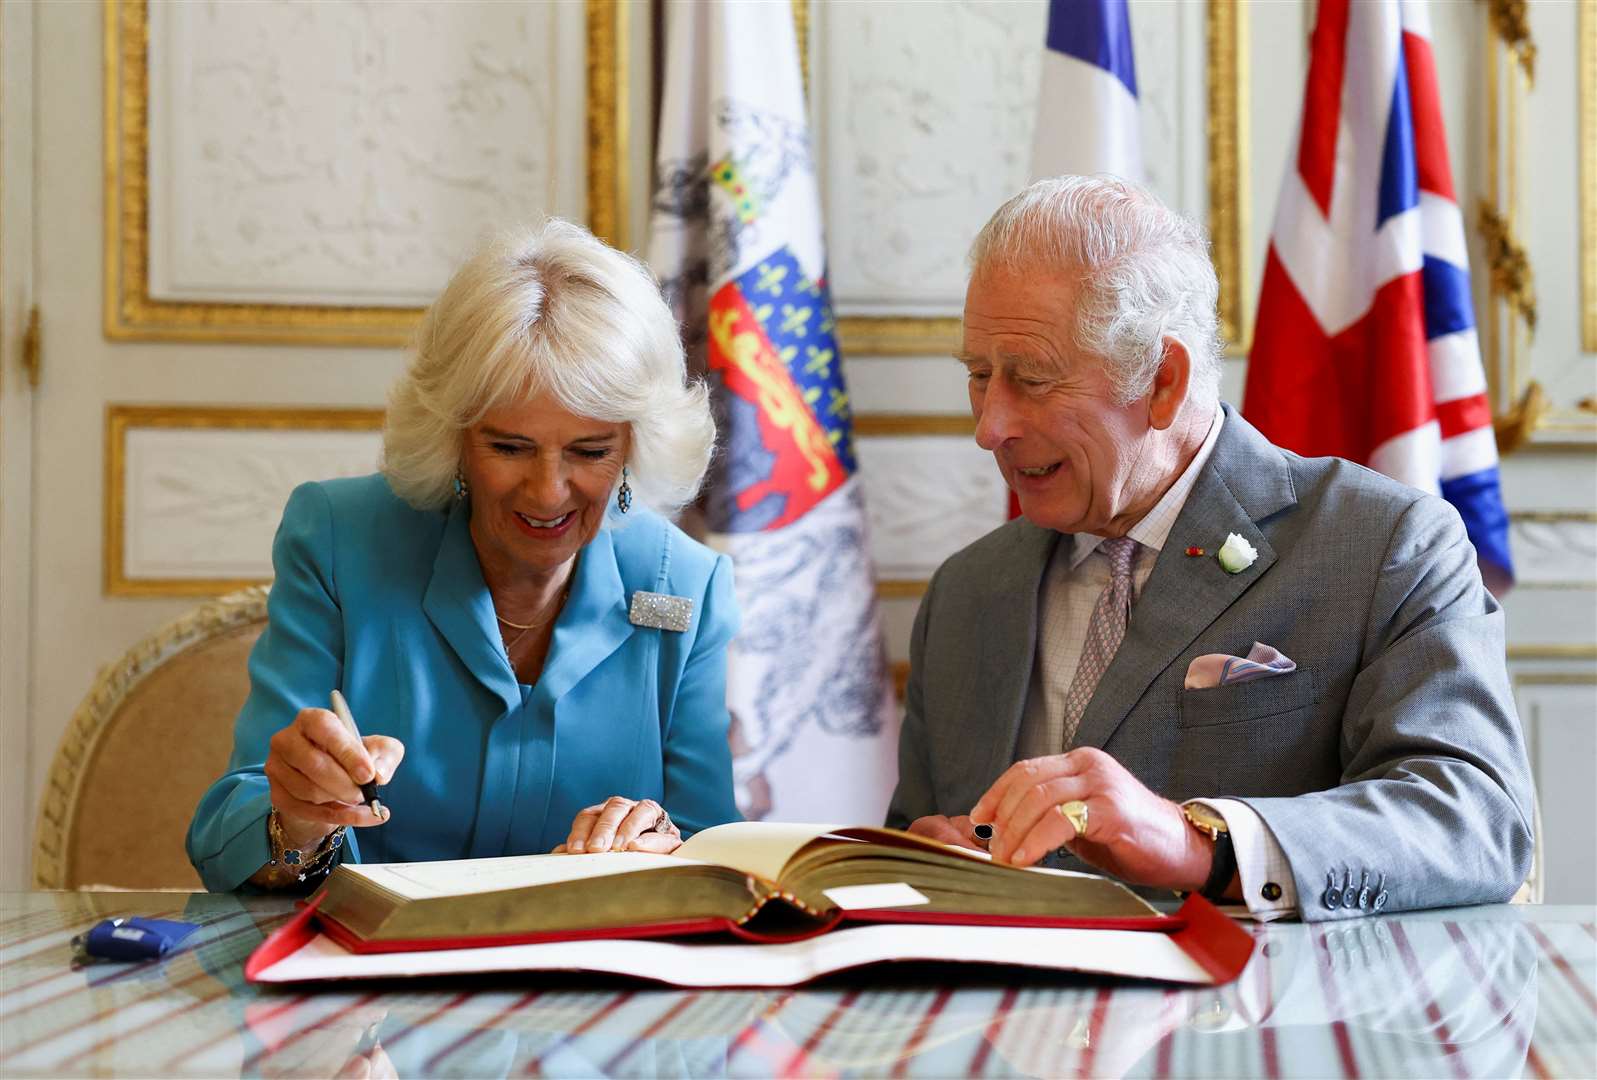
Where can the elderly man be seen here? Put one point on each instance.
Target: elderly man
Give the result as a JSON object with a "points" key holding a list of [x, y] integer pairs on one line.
{"points": [[1315, 720]]}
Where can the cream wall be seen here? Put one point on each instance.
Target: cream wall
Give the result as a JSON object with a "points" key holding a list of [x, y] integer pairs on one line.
{"points": [[884, 108]]}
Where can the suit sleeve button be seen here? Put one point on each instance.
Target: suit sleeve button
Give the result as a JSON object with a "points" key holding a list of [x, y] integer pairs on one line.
{"points": [[1332, 897]]}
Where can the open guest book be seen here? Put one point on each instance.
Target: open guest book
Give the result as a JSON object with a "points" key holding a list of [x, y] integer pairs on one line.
{"points": [[749, 903]]}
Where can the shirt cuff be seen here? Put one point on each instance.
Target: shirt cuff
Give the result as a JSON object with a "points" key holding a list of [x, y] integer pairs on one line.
{"points": [[1268, 887]]}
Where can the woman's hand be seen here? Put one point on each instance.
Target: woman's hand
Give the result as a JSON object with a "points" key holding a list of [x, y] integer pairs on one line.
{"points": [[622, 824], [316, 767]]}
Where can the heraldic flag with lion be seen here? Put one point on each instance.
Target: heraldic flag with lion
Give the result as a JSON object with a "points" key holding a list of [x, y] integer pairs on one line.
{"points": [[735, 237]]}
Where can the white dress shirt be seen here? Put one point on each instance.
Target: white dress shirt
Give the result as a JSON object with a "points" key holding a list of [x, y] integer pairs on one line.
{"points": [[1075, 577]]}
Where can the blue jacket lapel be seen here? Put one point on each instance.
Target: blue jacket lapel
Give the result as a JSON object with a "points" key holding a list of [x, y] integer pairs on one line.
{"points": [[592, 625], [458, 604], [1245, 481], [594, 622]]}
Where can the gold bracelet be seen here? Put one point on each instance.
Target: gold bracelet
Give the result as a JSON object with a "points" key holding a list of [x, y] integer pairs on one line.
{"points": [[293, 861]]}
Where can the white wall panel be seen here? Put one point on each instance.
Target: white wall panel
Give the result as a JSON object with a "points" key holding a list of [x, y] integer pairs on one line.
{"points": [[907, 384], [1554, 553], [924, 116], [206, 504], [1562, 741], [345, 153], [926, 497]]}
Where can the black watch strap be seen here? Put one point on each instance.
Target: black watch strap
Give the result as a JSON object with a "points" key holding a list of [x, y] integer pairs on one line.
{"points": [[1223, 870]]}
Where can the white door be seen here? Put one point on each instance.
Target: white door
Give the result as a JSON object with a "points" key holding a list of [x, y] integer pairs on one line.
{"points": [[16, 432]]}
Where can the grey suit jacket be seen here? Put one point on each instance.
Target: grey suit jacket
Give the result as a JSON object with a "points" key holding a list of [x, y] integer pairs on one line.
{"points": [[1393, 750]]}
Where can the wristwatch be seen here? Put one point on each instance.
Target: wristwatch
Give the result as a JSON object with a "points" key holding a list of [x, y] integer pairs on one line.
{"points": [[1209, 822]]}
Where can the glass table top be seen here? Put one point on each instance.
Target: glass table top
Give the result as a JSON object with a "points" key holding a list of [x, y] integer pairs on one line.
{"points": [[1491, 991]]}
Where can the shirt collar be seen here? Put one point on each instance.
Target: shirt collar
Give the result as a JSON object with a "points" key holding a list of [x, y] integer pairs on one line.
{"points": [[1153, 529]]}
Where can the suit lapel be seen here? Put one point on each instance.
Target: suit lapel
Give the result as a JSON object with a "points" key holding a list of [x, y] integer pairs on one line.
{"points": [[1008, 634], [460, 609], [1245, 481]]}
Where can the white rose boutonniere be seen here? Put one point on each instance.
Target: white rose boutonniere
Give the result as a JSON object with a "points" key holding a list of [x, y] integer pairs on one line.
{"points": [[1236, 555]]}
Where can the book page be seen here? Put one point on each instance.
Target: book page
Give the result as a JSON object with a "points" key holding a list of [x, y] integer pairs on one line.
{"points": [[459, 877], [761, 848], [1131, 953]]}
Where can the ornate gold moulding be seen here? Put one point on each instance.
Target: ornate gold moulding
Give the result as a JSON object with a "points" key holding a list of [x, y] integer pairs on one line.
{"points": [[1525, 418], [131, 314], [120, 419]]}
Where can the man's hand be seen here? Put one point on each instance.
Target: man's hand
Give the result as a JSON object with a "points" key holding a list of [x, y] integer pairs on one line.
{"points": [[955, 831], [1131, 833]]}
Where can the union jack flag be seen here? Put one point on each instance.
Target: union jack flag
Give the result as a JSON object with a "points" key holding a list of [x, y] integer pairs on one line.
{"points": [[1365, 346]]}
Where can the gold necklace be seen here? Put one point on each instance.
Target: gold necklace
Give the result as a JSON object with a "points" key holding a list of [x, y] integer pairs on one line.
{"points": [[516, 625], [526, 628]]}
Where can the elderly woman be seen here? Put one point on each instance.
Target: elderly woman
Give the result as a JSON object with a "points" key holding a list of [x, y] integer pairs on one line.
{"points": [[518, 631]]}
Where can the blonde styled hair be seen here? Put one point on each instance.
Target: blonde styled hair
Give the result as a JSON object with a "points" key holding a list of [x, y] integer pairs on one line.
{"points": [[549, 309]]}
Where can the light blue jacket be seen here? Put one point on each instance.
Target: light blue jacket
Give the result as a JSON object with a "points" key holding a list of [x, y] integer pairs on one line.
{"points": [[388, 604]]}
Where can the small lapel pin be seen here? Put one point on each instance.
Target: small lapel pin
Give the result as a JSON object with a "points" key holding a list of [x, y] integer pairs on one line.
{"points": [[661, 611], [1194, 552]]}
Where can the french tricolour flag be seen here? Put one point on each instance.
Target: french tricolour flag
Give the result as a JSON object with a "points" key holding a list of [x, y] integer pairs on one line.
{"points": [[1365, 346], [1087, 103]]}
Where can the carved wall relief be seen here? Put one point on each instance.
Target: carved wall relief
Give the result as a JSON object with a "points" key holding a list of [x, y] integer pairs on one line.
{"points": [[193, 495], [311, 172], [924, 118]]}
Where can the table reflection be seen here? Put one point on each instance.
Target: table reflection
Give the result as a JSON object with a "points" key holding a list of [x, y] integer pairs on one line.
{"points": [[1490, 991]]}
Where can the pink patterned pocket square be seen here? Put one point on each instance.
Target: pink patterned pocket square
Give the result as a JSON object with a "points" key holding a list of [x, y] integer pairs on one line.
{"points": [[1219, 669]]}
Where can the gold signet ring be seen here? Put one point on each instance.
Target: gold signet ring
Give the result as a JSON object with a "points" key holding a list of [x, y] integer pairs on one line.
{"points": [[1075, 812]]}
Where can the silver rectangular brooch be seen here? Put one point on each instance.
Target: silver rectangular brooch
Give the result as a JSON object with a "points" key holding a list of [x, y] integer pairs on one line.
{"points": [[661, 611]]}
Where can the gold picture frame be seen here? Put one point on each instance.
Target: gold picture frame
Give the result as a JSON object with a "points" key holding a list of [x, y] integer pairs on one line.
{"points": [[130, 314], [1230, 218], [120, 418], [1587, 29], [1524, 416], [1226, 26]]}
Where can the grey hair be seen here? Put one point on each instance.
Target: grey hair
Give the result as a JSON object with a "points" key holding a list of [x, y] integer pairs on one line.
{"points": [[1143, 271], [549, 308]]}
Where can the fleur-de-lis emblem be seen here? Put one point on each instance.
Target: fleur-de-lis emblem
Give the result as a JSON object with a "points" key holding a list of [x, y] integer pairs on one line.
{"points": [[795, 319], [771, 278]]}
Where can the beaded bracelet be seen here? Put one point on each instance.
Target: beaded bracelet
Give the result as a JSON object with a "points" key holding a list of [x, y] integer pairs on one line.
{"points": [[287, 860]]}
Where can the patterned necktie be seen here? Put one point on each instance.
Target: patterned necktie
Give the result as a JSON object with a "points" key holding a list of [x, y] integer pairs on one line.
{"points": [[1104, 632]]}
